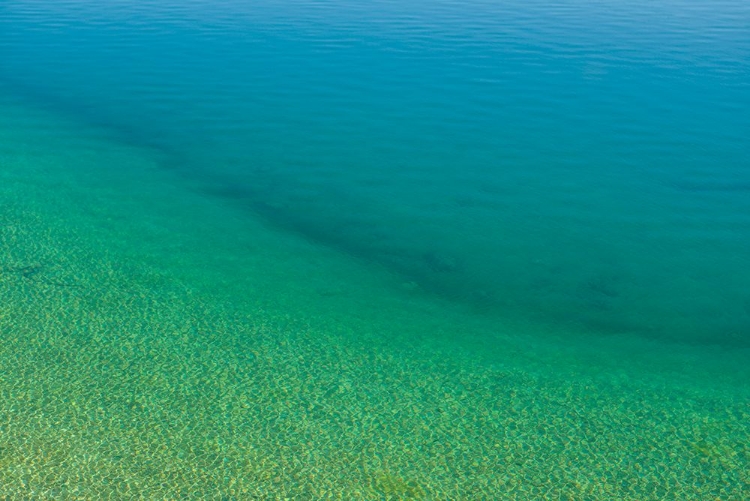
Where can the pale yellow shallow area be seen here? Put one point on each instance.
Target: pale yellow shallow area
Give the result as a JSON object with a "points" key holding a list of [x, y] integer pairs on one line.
{"points": [[155, 344]]}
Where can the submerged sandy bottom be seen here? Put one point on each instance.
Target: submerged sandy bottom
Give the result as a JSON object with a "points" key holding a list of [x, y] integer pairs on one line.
{"points": [[155, 344]]}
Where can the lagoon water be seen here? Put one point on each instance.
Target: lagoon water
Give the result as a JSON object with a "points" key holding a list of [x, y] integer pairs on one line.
{"points": [[403, 250]]}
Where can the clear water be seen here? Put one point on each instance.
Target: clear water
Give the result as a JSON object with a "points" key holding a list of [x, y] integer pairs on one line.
{"points": [[438, 250]]}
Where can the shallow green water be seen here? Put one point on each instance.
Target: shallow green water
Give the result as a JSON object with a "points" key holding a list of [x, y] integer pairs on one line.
{"points": [[200, 301]]}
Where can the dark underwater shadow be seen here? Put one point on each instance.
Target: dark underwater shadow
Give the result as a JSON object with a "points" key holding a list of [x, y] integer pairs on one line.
{"points": [[594, 304]]}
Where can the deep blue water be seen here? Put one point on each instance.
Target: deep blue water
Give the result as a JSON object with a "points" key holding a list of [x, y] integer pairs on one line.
{"points": [[582, 164]]}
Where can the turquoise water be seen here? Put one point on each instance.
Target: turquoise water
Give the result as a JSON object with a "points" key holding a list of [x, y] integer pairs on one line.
{"points": [[434, 250], [585, 165]]}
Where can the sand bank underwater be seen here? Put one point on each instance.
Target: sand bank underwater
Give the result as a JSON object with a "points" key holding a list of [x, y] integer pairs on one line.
{"points": [[158, 344]]}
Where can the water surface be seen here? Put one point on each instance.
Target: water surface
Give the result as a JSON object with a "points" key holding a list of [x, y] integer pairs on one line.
{"points": [[540, 208]]}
